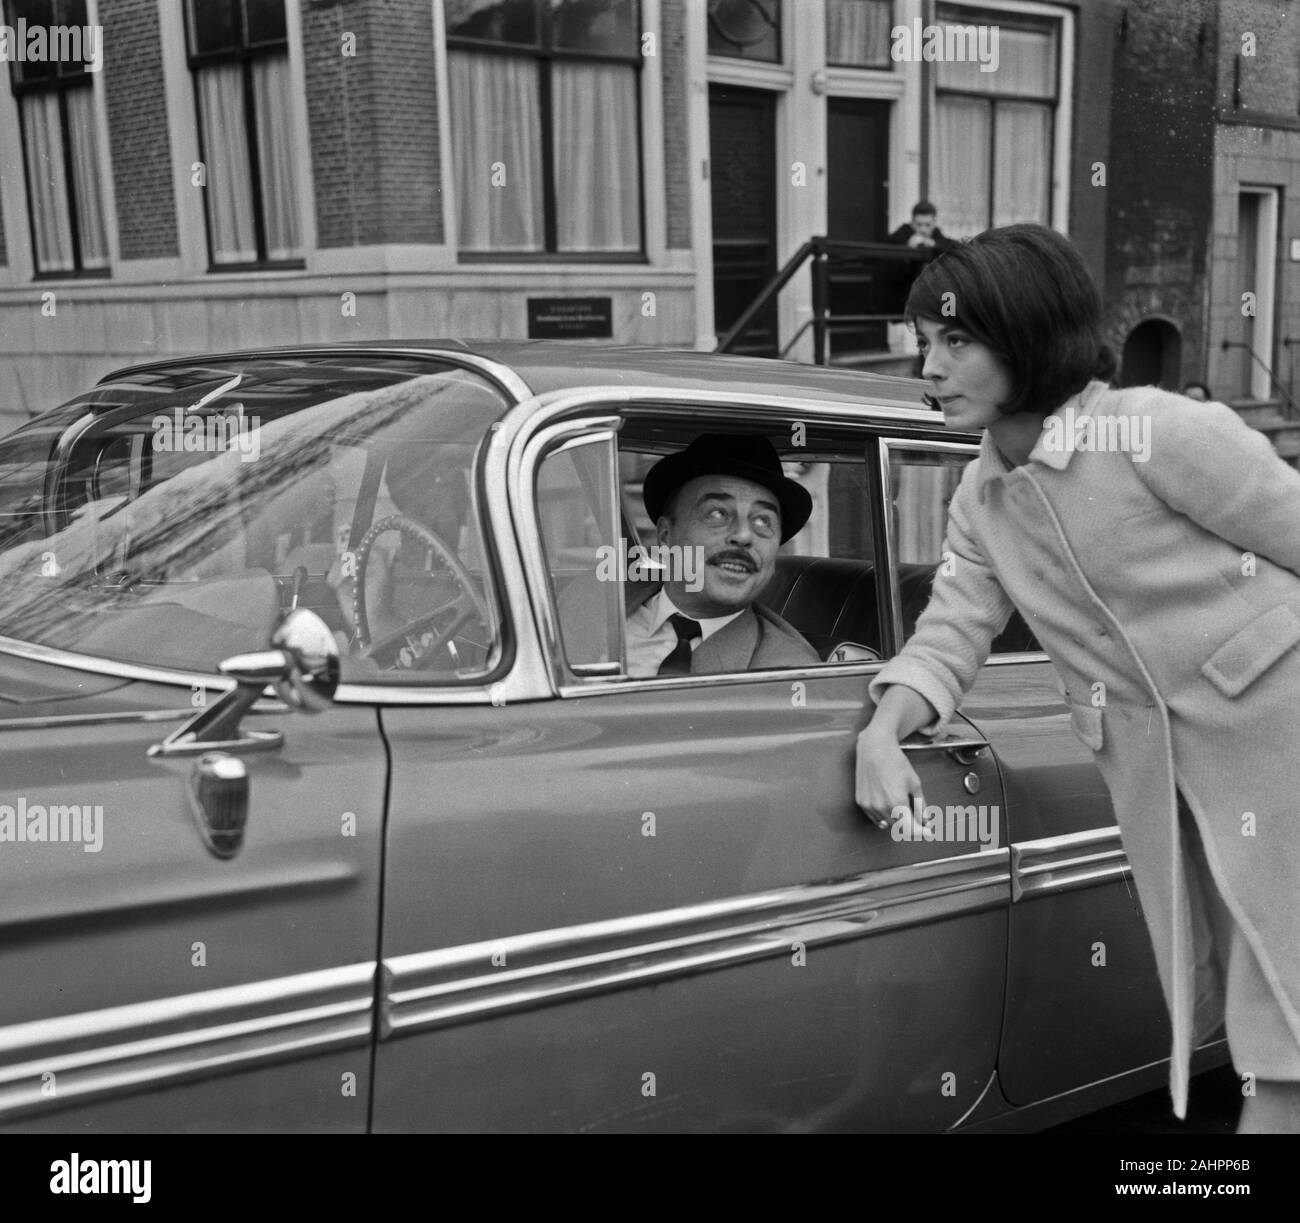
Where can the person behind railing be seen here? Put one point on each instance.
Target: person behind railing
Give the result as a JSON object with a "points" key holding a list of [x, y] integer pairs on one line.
{"points": [[923, 230]]}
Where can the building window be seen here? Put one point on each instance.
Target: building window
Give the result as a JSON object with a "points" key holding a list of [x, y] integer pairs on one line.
{"points": [[546, 125], [991, 151], [61, 155], [238, 53], [857, 33], [746, 29]]}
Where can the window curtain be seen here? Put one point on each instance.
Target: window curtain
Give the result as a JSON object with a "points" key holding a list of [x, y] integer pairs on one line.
{"points": [[960, 183], [48, 184], [597, 184], [229, 190], [857, 32], [496, 131], [86, 179], [1022, 162], [1026, 65], [273, 102]]}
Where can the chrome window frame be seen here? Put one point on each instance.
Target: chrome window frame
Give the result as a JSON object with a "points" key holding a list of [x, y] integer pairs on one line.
{"points": [[887, 445], [541, 445], [523, 680], [780, 409]]}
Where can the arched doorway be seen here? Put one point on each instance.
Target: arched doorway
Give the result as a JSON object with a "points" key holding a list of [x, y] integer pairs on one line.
{"points": [[1153, 353]]}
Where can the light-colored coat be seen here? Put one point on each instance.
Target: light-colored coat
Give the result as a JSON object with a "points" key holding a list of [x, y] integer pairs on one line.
{"points": [[1167, 593]]}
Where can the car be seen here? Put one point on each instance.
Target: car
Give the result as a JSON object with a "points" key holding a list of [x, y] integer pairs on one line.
{"points": [[319, 814]]}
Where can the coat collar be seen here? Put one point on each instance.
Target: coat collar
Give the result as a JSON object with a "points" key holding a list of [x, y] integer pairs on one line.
{"points": [[1076, 408]]}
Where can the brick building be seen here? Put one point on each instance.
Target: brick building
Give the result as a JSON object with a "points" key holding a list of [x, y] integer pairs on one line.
{"points": [[271, 171]]}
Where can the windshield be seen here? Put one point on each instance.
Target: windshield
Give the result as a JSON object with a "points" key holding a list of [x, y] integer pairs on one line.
{"points": [[170, 517]]}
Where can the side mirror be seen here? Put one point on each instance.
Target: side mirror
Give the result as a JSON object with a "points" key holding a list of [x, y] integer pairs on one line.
{"points": [[312, 652], [303, 666]]}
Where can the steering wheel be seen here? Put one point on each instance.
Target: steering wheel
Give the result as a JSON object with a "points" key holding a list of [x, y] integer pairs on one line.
{"points": [[467, 604]]}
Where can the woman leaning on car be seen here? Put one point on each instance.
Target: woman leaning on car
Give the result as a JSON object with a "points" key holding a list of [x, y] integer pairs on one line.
{"points": [[1153, 544]]}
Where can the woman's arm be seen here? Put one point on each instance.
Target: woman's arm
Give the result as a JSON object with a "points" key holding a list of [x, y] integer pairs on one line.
{"points": [[920, 687], [1208, 464], [884, 778]]}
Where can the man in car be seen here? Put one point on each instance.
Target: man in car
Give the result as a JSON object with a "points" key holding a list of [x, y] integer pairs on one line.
{"points": [[725, 499]]}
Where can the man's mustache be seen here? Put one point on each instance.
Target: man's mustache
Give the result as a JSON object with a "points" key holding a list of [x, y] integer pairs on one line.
{"points": [[738, 555]]}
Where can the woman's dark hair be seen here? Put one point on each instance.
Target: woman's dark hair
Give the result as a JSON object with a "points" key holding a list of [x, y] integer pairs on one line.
{"points": [[1023, 291]]}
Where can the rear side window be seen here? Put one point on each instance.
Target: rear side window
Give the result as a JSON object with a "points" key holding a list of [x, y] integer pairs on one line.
{"points": [[922, 481]]}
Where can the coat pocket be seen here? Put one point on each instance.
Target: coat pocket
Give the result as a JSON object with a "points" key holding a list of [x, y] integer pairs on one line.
{"points": [[1248, 653], [1085, 721]]}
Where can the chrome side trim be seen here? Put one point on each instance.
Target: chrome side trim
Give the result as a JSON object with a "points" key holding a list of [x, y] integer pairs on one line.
{"points": [[605, 685], [94, 719], [546, 408], [435, 989], [510, 688], [122, 1049], [107, 666], [1060, 864], [993, 1078]]}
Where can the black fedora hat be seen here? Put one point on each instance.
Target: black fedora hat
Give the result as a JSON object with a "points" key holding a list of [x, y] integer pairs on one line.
{"points": [[747, 456]]}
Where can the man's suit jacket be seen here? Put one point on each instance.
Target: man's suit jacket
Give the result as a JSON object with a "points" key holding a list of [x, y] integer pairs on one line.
{"points": [[755, 640]]}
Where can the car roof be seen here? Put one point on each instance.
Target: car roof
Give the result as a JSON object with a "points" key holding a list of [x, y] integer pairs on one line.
{"points": [[551, 365]]}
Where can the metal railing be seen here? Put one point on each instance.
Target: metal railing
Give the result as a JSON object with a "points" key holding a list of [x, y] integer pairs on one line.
{"points": [[821, 251], [1289, 409]]}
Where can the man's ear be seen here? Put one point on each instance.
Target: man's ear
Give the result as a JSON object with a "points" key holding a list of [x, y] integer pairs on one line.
{"points": [[663, 529]]}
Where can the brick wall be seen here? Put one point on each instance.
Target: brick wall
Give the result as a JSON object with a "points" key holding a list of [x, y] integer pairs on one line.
{"points": [[676, 93], [374, 123], [1160, 169], [1269, 80], [137, 127], [1090, 139]]}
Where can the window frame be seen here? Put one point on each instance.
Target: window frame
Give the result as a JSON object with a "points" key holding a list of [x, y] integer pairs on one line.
{"points": [[60, 82], [889, 446], [243, 55], [889, 64], [1037, 21], [546, 54], [780, 27], [770, 412]]}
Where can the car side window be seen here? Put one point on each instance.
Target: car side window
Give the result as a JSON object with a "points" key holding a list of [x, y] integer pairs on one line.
{"points": [[577, 516], [921, 483], [824, 585]]}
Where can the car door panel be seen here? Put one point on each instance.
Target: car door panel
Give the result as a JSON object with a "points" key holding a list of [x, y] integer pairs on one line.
{"points": [[179, 965], [1081, 970], [652, 860]]}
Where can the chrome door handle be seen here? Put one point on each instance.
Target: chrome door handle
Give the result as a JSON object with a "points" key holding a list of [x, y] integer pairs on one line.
{"points": [[964, 751]]}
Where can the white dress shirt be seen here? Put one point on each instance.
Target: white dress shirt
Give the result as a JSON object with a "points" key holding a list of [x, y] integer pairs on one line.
{"points": [[651, 638]]}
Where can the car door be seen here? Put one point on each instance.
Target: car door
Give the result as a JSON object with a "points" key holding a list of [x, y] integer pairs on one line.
{"points": [[652, 904], [1083, 998], [151, 985], [161, 972]]}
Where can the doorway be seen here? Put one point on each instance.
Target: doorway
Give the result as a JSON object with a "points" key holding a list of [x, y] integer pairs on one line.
{"points": [[857, 200], [742, 174], [1257, 217]]}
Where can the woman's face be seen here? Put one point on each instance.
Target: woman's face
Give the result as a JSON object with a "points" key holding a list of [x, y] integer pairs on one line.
{"points": [[967, 378]]}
